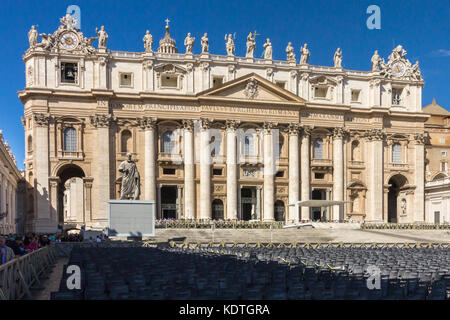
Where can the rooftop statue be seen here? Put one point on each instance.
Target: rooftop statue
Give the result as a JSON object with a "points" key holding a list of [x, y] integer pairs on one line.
{"points": [[290, 55], [68, 22], [375, 61], [268, 49], [205, 43], [229, 45], [189, 43], [33, 37], [148, 41], [338, 58], [130, 188], [251, 44], [102, 37], [305, 54]]}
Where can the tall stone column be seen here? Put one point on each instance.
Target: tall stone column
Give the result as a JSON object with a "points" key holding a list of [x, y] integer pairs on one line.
{"points": [[375, 173], [258, 202], [189, 170], [419, 177], [205, 171], [103, 177], [338, 169], [87, 182], [149, 126], [269, 172], [43, 221], [54, 210], [232, 187], [294, 169], [305, 171]]}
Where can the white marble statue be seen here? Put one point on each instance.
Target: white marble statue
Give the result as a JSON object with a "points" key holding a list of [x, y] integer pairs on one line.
{"points": [[305, 54], [251, 45], [47, 41], [290, 55], [130, 188], [33, 37], [68, 22], [148, 41], [229, 45], [338, 58], [268, 49], [189, 43], [397, 53], [102, 37], [375, 61], [205, 43]]}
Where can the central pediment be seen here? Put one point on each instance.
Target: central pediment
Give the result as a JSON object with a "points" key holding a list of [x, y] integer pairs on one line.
{"points": [[251, 87]]}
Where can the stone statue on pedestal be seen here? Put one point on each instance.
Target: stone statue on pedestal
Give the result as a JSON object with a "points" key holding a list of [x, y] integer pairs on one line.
{"points": [[189, 43], [205, 43], [338, 58], [130, 188], [290, 55], [148, 41], [251, 45], [229, 45], [375, 61], [33, 37], [268, 49], [102, 37], [305, 54]]}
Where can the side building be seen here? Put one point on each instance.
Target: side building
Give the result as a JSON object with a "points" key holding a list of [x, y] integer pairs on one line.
{"points": [[437, 172], [219, 136]]}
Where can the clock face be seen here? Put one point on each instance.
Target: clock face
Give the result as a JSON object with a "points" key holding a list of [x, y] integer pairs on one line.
{"points": [[398, 69], [69, 41]]}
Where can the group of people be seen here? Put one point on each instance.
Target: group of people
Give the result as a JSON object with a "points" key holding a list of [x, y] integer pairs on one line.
{"points": [[15, 245]]}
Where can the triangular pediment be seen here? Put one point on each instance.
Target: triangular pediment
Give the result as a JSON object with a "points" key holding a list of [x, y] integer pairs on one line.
{"points": [[251, 87]]}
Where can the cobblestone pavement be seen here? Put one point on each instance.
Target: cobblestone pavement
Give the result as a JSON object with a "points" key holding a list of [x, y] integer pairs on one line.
{"points": [[51, 284], [298, 235]]}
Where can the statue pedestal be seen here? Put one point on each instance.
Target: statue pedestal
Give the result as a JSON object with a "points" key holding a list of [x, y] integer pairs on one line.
{"points": [[131, 218]]}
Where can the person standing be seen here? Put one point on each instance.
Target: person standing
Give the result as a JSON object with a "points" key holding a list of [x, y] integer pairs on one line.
{"points": [[7, 254]]}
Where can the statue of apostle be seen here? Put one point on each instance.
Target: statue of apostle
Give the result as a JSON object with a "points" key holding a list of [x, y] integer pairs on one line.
{"points": [[130, 189]]}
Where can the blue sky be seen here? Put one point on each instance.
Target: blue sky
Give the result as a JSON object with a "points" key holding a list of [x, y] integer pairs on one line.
{"points": [[422, 27]]}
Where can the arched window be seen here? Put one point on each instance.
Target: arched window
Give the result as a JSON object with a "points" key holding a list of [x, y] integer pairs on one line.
{"points": [[248, 147], [396, 153], [168, 142], [356, 154], [318, 149], [30, 143], [126, 141], [70, 139]]}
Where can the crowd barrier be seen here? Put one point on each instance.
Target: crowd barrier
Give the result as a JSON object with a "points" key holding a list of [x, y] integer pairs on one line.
{"points": [[20, 275], [226, 224], [404, 226]]}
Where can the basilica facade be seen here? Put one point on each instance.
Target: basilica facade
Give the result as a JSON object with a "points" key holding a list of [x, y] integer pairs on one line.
{"points": [[217, 136]]}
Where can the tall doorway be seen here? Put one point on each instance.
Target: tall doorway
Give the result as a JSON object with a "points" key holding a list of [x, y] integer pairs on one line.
{"points": [[169, 202], [396, 183], [319, 213], [248, 203]]}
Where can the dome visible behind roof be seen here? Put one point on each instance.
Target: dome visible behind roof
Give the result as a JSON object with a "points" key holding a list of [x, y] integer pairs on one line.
{"points": [[167, 44], [435, 109]]}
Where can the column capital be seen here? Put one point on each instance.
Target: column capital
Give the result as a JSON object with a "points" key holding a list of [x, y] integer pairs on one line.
{"points": [[41, 119], [233, 124], [294, 128], [421, 138], [188, 124], [148, 122], [340, 132], [54, 181], [307, 130], [102, 120], [206, 123], [268, 126], [375, 135]]}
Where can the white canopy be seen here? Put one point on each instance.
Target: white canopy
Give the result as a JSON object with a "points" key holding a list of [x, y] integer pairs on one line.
{"points": [[318, 203]]}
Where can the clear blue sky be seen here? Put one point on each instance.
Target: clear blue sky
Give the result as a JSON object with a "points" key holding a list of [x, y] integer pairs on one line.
{"points": [[422, 27]]}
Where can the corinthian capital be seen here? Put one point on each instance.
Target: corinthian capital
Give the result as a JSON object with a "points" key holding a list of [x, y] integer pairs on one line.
{"points": [[188, 124], [375, 134], [294, 128], [306, 130], [233, 124], [41, 119], [102, 120], [206, 123], [147, 122], [339, 132], [421, 138], [268, 126]]}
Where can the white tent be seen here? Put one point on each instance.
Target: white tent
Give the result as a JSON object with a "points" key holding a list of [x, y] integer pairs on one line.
{"points": [[318, 203]]}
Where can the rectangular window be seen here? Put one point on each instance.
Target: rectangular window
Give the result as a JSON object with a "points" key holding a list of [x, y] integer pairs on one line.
{"points": [[217, 172], [320, 92], [217, 81], [397, 96], [125, 79], [396, 153], [281, 84], [319, 176], [443, 153], [443, 166], [69, 72], [280, 174], [168, 171], [169, 81], [356, 95]]}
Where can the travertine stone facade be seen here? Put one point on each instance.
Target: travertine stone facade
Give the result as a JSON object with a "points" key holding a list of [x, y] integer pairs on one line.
{"points": [[221, 136]]}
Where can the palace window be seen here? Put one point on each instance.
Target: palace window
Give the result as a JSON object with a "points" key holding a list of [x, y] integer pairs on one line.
{"points": [[318, 149], [30, 143], [248, 146], [126, 79], [443, 153], [320, 92], [319, 176], [170, 171], [443, 166], [70, 139], [280, 174], [397, 96], [217, 172], [168, 142], [396, 153], [169, 81], [356, 95], [126, 141], [281, 84], [356, 153], [69, 72], [217, 81], [215, 144]]}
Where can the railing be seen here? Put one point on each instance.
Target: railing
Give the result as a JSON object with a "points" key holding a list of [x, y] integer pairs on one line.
{"points": [[418, 226], [19, 275], [225, 224]]}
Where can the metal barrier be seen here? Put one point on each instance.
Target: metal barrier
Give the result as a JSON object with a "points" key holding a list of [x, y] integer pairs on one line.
{"points": [[403, 226], [19, 275]]}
